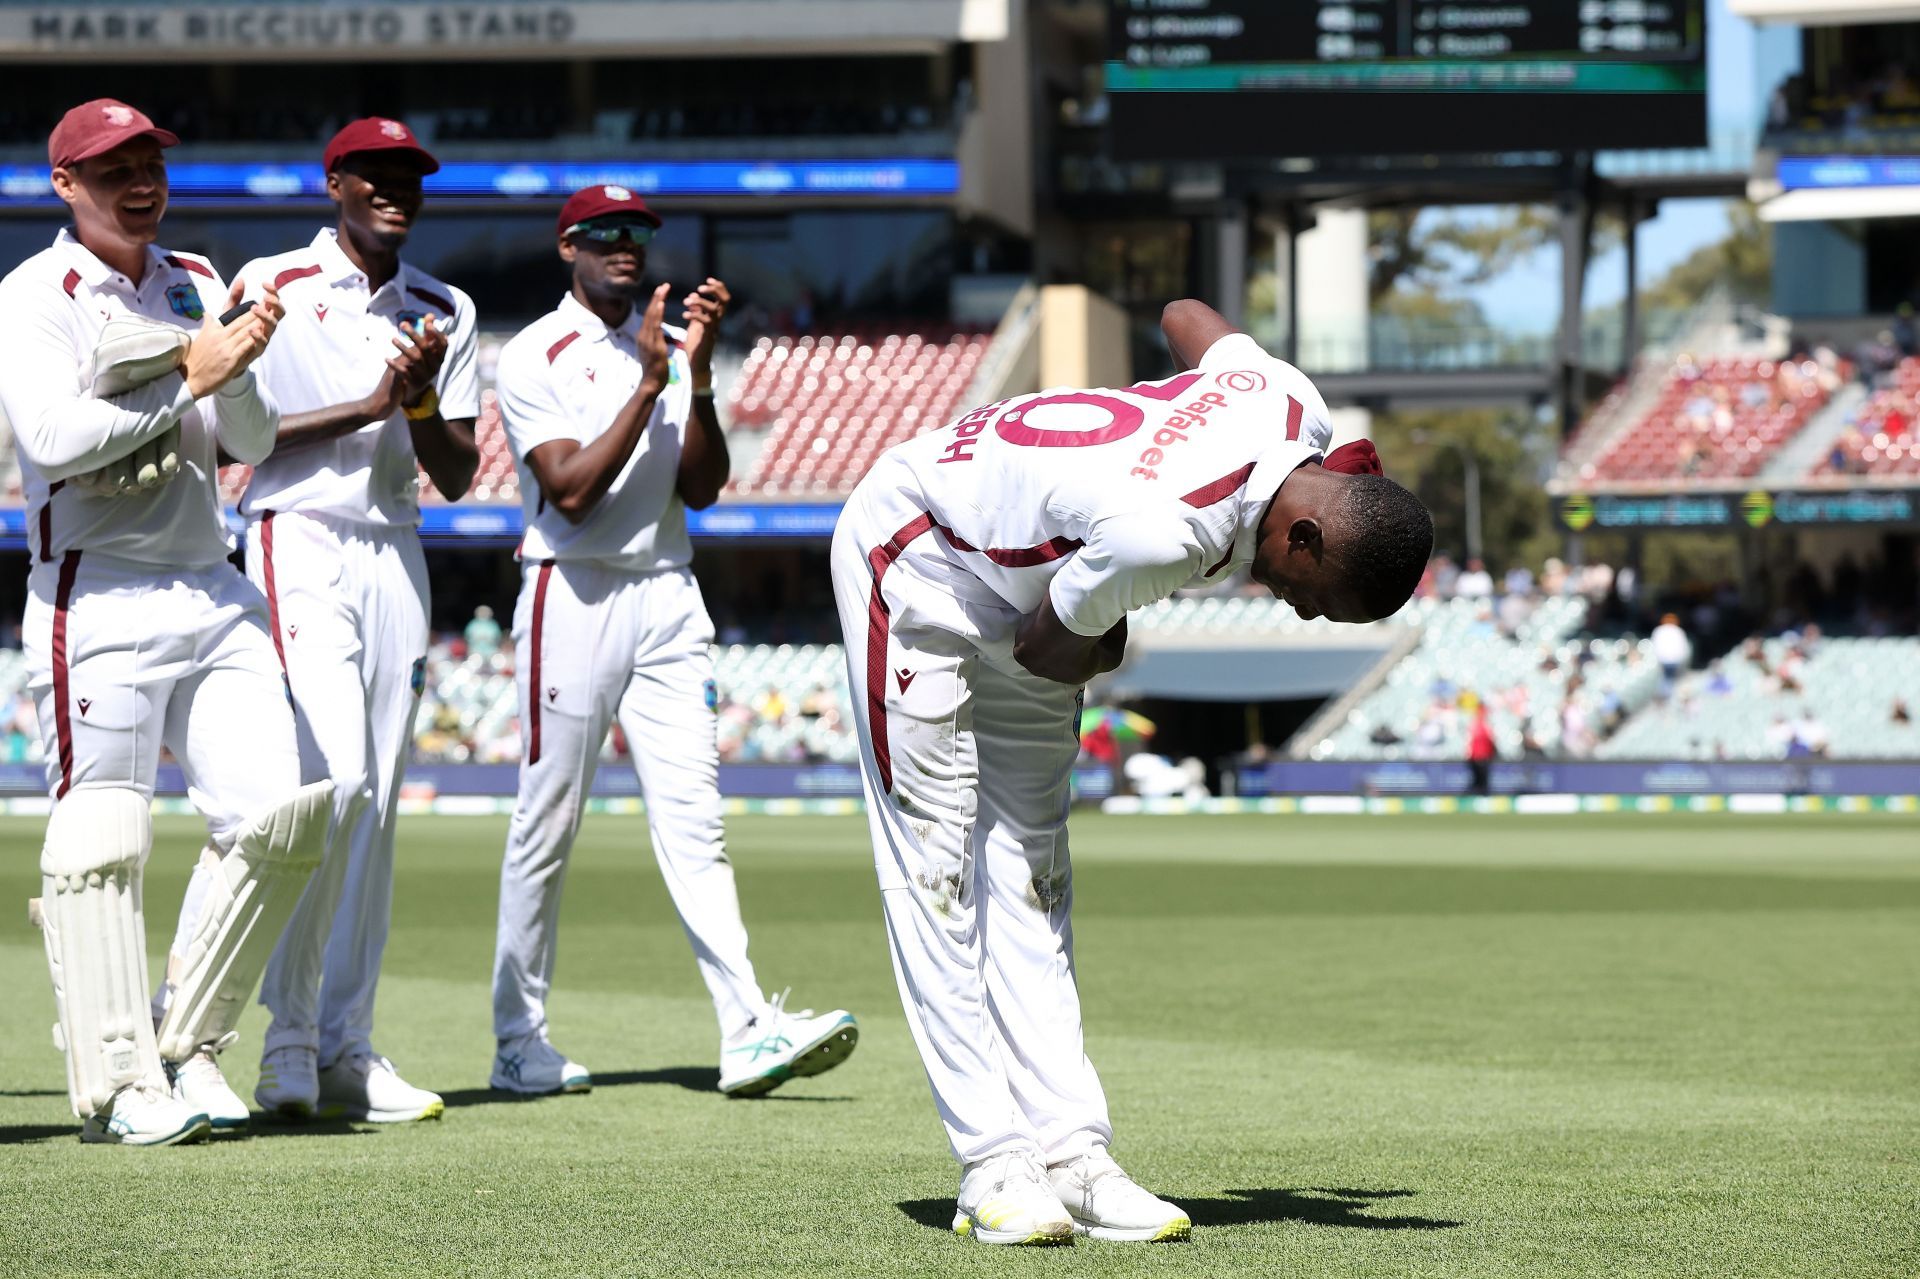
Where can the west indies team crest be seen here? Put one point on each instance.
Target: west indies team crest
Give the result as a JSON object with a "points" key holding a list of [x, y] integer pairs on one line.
{"points": [[184, 300]]}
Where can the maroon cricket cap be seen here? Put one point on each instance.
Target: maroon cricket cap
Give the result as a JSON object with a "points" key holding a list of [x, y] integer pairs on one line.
{"points": [[376, 133], [97, 127], [589, 203]]}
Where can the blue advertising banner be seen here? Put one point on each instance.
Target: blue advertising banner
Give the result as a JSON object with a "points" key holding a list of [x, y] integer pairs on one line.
{"points": [[191, 181], [1825, 172], [476, 525], [1406, 777]]}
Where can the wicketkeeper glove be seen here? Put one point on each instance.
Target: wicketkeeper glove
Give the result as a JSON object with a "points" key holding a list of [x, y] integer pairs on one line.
{"points": [[132, 352]]}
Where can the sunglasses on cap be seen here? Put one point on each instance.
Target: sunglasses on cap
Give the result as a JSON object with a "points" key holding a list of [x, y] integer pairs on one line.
{"points": [[611, 232]]}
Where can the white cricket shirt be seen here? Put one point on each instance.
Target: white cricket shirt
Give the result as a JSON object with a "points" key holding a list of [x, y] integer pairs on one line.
{"points": [[565, 377], [52, 308], [1110, 498], [332, 348]]}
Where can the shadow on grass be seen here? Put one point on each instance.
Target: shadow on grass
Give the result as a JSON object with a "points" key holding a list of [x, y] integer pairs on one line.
{"points": [[33, 1092], [27, 1134], [692, 1078], [264, 1125], [1314, 1205]]}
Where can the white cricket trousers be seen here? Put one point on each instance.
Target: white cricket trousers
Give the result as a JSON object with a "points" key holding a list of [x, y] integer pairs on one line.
{"points": [[123, 658], [347, 609], [593, 643], [968, 761]]}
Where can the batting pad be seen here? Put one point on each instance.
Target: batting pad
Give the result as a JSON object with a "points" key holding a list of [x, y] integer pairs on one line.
{"points": [[90, 867], [249, 897]]}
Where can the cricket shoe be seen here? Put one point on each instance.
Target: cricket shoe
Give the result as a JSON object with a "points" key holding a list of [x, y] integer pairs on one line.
{"points": [[1105, 1203], [364, 1085], [1006, 1200], [778, 1045], [289, 1083], [531, 1066], [145, 1114], [199, 1085]]}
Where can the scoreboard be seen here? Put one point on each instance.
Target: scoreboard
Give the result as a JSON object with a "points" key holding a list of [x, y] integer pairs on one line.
{"points": [[1244, 79]]}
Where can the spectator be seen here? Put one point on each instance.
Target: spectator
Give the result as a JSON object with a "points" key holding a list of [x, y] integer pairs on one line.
{"points": [[1900, 714], [483, 633], [1519, 581], [1673, 650], [1446, 577], [1480, 751], [1476, 583]]}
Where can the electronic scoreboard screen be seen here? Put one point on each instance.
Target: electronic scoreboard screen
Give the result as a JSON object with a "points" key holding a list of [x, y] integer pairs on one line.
{"points": [[1238, 79]]}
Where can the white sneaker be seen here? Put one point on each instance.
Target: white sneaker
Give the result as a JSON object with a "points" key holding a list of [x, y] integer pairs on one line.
{"points": [[780, 1045], [289, 1081], [530, 1065], [365, 1086], [1006, 1200], [145, 1114], [1105, 1203], [198, 1083]]}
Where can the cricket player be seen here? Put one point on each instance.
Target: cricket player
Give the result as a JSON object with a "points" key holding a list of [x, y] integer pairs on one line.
{"points": [[373, 368], [124, 383], [984, 573], [611, 419]]}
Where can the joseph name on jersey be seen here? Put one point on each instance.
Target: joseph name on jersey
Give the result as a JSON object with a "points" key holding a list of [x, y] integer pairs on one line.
{"points": [[565, 377], [1109, 499], [333, 348], [53, 307]]}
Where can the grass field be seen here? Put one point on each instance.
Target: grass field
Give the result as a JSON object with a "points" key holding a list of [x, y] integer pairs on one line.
{"points": [[1454, 1046]]}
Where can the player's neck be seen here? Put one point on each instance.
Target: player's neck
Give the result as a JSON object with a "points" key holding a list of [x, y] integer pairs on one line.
{"points": [[611, 310], [376, 261], [128, 257]]}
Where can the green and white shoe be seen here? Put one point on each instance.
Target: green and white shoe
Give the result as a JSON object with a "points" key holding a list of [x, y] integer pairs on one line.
{"points": [[779, 1045], [532, 1067]]}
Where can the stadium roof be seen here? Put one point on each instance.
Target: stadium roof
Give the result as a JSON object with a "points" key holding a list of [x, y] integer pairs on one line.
{"points": [[1839, 204], [1814, 13]]}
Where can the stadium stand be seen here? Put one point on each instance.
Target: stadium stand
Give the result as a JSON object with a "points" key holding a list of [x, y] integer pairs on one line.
{"points": [[1786, 698], [1717, 418], [831, 404], [1547, 692], [1881, 439]]}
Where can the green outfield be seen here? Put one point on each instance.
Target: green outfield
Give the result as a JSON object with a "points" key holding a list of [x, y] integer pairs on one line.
{"points": [[1399, 1046]]}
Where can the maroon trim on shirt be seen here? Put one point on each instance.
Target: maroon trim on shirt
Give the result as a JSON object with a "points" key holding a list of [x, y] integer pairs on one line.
{"points": [[46, 522], [188, 264], [1356, 458], [553, 352], [1016, 557], [1222, 564], [71, 283], [1224, 487], [62, 717], [1296, 413], [879, 618], [533, 665], [434, 298], [293, 273], [273, 593]]}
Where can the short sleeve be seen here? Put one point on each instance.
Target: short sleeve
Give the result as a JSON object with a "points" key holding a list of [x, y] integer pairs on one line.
{"points": [[459, 384], [529, 410]]}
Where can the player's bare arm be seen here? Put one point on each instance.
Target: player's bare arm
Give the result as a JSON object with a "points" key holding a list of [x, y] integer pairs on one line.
{"points": [[1044, 646], [573, 477], [703, 454], [1191, 326], [220, 352], [446, 448]]}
